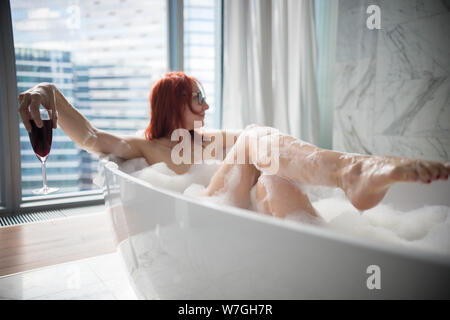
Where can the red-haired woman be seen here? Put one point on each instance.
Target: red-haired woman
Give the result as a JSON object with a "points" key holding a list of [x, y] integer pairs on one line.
{"points": [[177, 101]]}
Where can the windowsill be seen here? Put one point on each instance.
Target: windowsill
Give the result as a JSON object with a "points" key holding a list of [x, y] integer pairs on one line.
{"points": [[61, 196], [61, 202]]}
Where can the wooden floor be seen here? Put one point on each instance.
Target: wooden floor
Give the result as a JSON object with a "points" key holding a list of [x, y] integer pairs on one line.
{"points": [[45, 243]]}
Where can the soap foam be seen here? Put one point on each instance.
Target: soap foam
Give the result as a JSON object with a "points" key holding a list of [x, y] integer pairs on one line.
{"points": [[427, 228], [161, 175]]}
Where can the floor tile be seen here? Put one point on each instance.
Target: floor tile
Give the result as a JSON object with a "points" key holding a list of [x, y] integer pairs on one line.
{"points": [[102, 277]]}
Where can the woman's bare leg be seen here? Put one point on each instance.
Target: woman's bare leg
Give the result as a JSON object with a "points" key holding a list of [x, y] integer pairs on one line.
{"points": [[273, 195], [280, 197], [364, 179], [235, 179]]}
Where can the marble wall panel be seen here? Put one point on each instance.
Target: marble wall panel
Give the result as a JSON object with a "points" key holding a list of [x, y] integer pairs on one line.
{"points": [[404, 109], [354, 40], [415, 108], [395, 12], [414, 49], [435, 149], [354, 105]]}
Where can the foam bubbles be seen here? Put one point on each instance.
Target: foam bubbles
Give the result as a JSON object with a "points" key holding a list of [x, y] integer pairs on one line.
{"points": [[427, 228], [161, 175]]}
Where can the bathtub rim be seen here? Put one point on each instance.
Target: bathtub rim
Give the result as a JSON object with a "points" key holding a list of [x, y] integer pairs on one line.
{"points": [[313, 230]]}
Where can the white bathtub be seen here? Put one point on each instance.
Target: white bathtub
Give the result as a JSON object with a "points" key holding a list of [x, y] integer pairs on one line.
{"points": [[178, 247]]}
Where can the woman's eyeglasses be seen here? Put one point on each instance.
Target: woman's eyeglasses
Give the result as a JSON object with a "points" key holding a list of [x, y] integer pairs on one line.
{"points": [[200, 97]]}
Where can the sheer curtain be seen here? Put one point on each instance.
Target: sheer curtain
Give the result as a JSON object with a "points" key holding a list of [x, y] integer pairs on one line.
{"points": [[270, 58]]}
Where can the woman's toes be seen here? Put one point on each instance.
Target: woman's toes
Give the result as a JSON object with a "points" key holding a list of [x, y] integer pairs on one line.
{"points": [[434, 171], [447, 169], [424, 174], [442, 172]]}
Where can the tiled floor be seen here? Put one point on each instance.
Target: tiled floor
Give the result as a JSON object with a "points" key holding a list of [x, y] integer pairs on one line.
{"points": [[98, 278]]}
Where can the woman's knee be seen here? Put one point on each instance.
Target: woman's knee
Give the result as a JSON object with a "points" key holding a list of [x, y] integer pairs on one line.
{"points": [[244, 147], [258, 130], [259, 145], [279, 197], [267, 195]]}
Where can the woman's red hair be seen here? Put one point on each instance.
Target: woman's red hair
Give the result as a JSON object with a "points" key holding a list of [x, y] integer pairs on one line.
{"points": [[168, 99]]}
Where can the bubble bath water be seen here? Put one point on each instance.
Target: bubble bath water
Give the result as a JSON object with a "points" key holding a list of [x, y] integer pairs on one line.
{"points": [[426, 228]]}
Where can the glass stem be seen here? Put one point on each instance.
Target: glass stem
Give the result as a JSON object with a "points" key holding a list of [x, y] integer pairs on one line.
{"points": [[44, 175]]}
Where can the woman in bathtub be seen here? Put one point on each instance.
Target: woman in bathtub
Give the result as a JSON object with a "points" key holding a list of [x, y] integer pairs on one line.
{"points": [[177, 101]]}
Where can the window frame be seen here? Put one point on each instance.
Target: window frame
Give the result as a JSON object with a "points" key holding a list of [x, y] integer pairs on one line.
{"points": [[11, 201], [175, 34], [10, 167]]}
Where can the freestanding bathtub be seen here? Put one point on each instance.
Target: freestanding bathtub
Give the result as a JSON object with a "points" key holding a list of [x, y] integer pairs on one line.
{"points": [[178, 247]]}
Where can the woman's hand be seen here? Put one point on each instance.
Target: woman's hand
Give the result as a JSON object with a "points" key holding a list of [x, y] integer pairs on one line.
{"points": [[43, 93]]}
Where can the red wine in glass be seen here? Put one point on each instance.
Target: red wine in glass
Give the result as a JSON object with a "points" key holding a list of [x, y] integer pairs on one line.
{"points": [[41, 141], [41, 138]]}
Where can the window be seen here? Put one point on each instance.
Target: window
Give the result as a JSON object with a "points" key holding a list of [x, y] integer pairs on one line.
{"points": [[84, 49], [202, 51], [103, 56]]}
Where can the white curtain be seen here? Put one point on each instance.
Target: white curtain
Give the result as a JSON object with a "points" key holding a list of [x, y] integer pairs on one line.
{"points": [[270, 55]]}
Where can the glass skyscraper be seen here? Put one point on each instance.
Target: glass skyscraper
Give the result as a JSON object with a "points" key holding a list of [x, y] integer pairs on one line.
{"points": [[104, 56]]}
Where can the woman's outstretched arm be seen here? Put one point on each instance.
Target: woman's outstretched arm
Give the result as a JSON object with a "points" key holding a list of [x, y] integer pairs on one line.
{"points": [[73, 123]]}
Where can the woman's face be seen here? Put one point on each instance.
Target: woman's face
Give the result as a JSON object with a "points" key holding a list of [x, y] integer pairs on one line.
{"points": [[189, 116]]}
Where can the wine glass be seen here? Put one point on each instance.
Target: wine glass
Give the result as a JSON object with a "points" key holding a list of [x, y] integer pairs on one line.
{"points": [[41, 141]]}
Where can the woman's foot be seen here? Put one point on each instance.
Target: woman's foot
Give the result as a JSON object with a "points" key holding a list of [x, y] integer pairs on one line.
{"points": [[366, 179]]}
